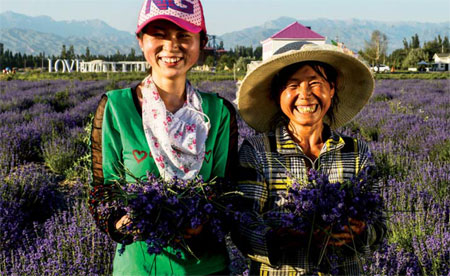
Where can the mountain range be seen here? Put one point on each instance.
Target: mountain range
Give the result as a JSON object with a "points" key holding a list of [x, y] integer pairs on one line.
{"points": [[33, 35], [352, 32]]}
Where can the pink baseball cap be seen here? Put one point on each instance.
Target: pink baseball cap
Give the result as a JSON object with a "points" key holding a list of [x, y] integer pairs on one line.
{"points": [[187, 14]]}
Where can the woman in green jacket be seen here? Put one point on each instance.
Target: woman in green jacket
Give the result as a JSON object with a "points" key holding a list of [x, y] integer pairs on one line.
{"points": [[165, 126]]}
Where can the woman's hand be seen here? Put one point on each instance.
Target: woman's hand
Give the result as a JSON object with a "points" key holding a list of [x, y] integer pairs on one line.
{"points": [[191, 232], [122, 223], [355, 228]]}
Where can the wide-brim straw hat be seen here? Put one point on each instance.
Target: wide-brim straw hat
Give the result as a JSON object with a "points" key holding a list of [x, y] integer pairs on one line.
{"points": [[355, 85]]}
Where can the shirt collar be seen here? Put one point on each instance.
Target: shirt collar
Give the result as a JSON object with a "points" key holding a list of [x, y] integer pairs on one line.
{"points": [[286, 145]]}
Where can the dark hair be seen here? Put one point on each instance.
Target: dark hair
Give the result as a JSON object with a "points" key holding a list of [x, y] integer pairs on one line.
{"points": [[324, 70], [203, 40]]}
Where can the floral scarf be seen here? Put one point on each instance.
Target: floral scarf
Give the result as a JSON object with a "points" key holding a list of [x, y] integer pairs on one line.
{"points": [[176, 141]]}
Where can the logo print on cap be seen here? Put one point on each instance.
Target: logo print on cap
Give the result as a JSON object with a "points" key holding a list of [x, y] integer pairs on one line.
{"points": [[166, 4]]}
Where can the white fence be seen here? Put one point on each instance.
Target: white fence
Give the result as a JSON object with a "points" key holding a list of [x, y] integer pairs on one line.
{"points": [[75, 65]]}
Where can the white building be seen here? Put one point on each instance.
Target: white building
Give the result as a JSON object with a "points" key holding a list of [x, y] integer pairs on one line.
{"points": [[107, 66], [295, 32], [75, 65], [441, 62]]}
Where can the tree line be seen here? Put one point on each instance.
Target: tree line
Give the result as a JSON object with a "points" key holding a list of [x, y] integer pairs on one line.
{"points": [[413, 51], [235, 58], [374, 52], [238, 57]]}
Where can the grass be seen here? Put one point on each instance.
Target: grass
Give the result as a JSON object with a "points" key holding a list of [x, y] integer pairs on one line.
{"points": [[413, 75], [194, 77], [36, 75]]}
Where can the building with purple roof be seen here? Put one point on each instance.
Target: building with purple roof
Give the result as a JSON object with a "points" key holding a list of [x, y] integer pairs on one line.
{"points": [[295, 32]]}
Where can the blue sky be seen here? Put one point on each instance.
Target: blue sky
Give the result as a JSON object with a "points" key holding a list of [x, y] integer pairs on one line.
{"points": [[224, 16]]}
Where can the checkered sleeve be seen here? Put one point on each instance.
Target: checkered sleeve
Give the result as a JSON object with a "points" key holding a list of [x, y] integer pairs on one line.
{"points": [[253, 232]]}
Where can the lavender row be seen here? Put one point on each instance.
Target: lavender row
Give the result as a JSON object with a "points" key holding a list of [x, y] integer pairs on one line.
{"points": [[406, 123]]}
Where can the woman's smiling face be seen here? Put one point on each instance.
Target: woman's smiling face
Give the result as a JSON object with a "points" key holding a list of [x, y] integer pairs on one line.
{"points": [[306, 97], [170, 50]]}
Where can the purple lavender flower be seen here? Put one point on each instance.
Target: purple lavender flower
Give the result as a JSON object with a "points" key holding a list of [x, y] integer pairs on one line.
{"points": [[322, 204], [162, 211]]}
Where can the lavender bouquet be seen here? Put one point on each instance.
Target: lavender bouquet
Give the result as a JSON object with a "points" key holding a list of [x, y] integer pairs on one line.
{"points": [[320, 205], [319, 208], [162, 211]]}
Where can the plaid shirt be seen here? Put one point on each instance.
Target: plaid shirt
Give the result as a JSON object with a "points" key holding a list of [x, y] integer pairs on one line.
{"points": [[265, 161]]}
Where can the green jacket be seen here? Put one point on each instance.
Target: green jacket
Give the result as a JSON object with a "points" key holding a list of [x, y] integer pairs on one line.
{"points": [[118, 142]]}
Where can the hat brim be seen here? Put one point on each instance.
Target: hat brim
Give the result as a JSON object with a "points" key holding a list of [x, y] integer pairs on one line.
{"points": [[177, 21], [355, 84]]}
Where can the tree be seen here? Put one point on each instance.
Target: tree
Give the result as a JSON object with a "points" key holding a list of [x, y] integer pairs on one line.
{"points": [[258, 52], [209, 61], [87, 53], [241, 63], [432, 47], [438, 45], [71, 52], [397, 56], [413, 57], [225, 61], [117, 56], [63, 52], [415, 42], [132, 55], [405, 44], [445, 45], [375, 49]]}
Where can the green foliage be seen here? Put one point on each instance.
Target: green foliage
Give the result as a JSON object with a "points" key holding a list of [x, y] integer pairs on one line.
{"points": [[37, 76], [197, 77], [60, 152], [412, 49], [112, 85], [397, 56], [241, 63], [192, 76], [60, 100], [415, 42], [209, 61], [414, 75], [63, 52], [441, 152], [375, 50], [382, 98], [414, 56], [225, 62], [390, 165], [369, 133], [81, 168]]}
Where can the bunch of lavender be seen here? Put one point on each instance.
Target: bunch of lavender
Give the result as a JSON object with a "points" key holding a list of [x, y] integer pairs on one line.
{"points": [[161, 211], [321, 205]]}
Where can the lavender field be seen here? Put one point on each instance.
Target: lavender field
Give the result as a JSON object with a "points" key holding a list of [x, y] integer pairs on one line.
{"points": [[46, 228]]}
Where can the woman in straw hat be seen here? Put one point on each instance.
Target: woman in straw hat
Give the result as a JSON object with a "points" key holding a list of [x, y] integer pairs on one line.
{"points": [[297, 99], [166, 127]]}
